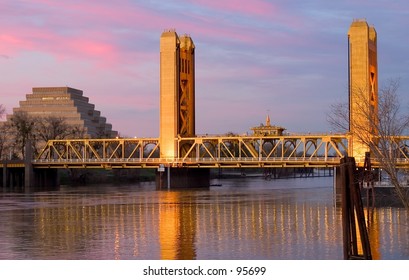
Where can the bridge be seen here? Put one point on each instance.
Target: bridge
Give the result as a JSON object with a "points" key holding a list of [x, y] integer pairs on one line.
{"points": [[178, 147], [197, 152], [317, 151]]}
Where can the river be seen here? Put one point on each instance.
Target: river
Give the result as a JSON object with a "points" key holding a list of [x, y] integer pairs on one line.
{"points": [[243, 218]]}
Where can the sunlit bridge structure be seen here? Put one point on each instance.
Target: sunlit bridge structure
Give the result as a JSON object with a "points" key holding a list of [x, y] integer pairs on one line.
{"points": [[197, 152], [363, 83], [179, 150]]}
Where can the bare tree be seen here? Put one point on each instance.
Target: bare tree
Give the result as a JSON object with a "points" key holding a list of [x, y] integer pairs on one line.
{"points": [[52, 127], [22, 130], [2, 111], [3, 133], [380, 131], [77, 132], [3, 140]]}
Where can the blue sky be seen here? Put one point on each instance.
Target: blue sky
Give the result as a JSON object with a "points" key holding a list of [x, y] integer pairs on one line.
{"points": [[287, 59]]}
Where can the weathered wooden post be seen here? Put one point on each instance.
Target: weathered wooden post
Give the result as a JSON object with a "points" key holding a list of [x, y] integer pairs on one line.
{"points": [[353, 218]]}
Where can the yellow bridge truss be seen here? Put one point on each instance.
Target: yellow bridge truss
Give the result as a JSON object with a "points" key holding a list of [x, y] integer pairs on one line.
{"points": [[207, 152], [201, 151]]}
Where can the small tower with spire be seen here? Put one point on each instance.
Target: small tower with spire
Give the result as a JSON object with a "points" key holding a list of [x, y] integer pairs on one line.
{"points": [[268, 120], [268, 129]]}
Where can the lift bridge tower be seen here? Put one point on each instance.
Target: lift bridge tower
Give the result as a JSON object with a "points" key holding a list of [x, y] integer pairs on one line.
{"points": [[363, 86], [177, 105], [177, 91]]}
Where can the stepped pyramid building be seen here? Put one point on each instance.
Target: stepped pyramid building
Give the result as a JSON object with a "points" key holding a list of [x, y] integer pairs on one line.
{"points": [[70, 104]]}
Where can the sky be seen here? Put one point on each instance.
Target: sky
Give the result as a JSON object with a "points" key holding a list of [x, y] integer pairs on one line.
{"points": [[287, 59]]}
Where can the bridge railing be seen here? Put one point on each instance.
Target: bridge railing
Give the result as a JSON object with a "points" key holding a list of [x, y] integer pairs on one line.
{"points": [[187, 160], [211, 151], [87, 149], [289, 146]]}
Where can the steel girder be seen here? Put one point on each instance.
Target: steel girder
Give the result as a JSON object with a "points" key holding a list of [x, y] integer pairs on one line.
{"points": [[97, 153], [262, 151], [209, 152]]}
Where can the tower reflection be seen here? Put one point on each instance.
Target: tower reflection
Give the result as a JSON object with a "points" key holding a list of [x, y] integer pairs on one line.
{"points": [[177, 226]]}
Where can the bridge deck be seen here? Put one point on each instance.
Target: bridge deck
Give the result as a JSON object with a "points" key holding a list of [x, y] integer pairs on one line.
{"points": [[206, 152], [244, 162], [196, 152], [12, 164]]}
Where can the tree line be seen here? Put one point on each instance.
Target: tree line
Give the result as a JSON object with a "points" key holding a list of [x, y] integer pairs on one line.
{"points": [[22, 128]]}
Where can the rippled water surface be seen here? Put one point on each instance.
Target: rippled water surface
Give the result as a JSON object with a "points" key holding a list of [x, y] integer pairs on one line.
{"points": [[246, 218]]}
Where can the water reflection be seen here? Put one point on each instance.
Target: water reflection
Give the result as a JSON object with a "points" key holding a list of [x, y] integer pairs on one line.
{"points": [[389, 226], [177, 226], [275, 221]]}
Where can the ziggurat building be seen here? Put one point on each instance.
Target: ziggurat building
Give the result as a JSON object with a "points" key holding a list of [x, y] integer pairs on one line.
{"points": [[69, 104]]}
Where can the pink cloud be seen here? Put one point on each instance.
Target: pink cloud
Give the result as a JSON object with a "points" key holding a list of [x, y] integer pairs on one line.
{"points": [[48, 42], [110, 33], [82, 30]]}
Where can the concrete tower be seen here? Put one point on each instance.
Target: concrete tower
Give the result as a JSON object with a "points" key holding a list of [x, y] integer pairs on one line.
{"points": [[177, 91], [363, 85], [187, 87]]}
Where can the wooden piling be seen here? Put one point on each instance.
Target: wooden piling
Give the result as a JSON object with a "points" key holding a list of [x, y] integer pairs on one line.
{"points": [[353, 218]]}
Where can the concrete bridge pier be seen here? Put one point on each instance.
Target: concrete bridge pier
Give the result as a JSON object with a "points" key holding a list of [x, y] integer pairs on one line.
{"points": [[12, 178], [26, 179], [45, 179], [3, 176], [39, 179], [179, 178], [28, 176]]}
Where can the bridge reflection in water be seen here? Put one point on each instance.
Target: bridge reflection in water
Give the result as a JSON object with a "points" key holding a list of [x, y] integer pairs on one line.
{"points": [[226, 223]]}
